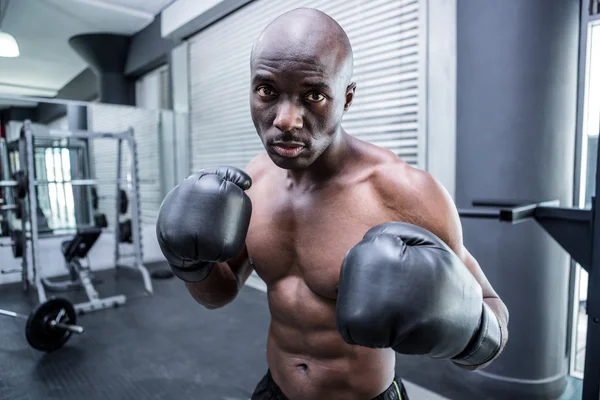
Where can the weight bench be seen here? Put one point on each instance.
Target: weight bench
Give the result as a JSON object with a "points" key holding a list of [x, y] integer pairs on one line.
{"points": [[74, 251]]}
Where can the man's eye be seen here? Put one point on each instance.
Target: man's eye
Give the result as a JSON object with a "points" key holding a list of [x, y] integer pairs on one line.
{"points": [[265, 91], [315, 97]]}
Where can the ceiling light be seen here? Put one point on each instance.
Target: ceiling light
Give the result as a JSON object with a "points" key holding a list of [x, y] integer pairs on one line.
{"points": [[8, 45]]}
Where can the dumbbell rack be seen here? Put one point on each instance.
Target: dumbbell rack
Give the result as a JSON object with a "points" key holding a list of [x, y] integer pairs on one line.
{"points": [[29, 219]]}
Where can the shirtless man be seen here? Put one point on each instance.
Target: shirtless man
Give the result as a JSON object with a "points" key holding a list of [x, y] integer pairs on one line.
{"points": [[362, 254]]}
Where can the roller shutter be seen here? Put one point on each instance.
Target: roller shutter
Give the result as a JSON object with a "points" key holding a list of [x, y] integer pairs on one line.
{"points": [[145, 123], [386, 43]]}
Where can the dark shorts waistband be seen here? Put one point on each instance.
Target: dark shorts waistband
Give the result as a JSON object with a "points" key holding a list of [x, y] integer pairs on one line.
{"points": [[267, 389]]}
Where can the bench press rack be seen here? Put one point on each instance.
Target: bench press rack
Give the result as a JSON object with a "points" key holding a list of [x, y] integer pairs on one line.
{"points": [[84, 238]]}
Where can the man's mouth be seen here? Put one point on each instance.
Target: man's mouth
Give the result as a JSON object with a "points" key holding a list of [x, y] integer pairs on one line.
{"points": [[288, 149]]}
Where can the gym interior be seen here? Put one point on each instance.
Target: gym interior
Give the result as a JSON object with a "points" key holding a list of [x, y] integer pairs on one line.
{"points": [[107, 105]]}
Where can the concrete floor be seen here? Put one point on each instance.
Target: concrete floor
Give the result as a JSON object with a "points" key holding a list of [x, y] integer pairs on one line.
{"points": [[165, 346]]}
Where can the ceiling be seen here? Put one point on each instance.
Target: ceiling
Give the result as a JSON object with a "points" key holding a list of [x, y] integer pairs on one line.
{"points": [[42, 29]]}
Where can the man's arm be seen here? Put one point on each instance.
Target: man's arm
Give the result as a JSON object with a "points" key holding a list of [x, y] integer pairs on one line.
{"points": [[431, 207], [226, 279], [223, 283]]}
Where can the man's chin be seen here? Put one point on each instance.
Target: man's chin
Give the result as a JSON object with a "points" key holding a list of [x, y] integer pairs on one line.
{"points": [[295, 163]]}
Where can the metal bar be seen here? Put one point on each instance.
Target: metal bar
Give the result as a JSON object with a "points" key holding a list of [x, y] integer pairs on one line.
{"points": [[86, 171], [79, 134], [13, 314], [475, 213], [74, 182], [571, 228], [101, 304], [57, 177], [518, 213], [63, 185], [68, 327], [33, 214], [591, 377], [9, 313], [117, 205], [10, 271], [8, 207], [499, 203], [97, 135], [4, 169], [136, 216]]}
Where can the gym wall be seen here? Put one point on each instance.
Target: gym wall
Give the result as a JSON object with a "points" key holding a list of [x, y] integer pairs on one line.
{"points": [[146, 125], [386, 39]]}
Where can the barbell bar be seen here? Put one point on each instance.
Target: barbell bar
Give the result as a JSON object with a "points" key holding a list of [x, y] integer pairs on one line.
{"points": [[46, 329], [75, 182]]}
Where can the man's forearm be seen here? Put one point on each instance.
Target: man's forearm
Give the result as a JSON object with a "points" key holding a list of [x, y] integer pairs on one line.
{"points": [[218, 289], [223, 283]]}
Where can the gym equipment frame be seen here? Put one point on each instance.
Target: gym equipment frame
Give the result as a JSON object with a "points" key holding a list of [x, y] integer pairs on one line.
{"points": [[577, 230], [30, 219]]}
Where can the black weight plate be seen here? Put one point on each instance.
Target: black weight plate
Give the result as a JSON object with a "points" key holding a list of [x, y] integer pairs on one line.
{"points": [[19, 209], [5, 227], [125, 232], [18, 243], [40, 335], [123, 202], [20, 190]]}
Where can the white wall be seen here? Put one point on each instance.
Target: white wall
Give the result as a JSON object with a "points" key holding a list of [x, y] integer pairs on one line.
{"points": [[181, 12], [101, 256], [441, 92]]}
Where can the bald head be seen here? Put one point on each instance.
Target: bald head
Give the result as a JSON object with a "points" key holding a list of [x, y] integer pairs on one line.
{"points": [[301, 70], [306, 34]]}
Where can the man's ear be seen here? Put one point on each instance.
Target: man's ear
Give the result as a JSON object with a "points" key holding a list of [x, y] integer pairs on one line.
{"points": [[350, 90]]}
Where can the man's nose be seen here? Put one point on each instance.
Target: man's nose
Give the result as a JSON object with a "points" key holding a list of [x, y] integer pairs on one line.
{"points": [[289, 117]]}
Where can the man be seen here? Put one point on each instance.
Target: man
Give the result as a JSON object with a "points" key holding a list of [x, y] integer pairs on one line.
{"points": [[362, 254]]}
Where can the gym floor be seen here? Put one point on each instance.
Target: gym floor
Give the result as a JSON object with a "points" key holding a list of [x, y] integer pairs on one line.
{"points": [[165, 346]]}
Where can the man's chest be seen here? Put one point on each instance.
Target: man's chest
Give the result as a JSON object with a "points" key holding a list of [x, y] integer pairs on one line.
{"points": [[309, 235]]}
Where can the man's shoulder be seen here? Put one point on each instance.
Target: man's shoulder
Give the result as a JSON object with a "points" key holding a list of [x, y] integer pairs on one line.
{"points": [[258, 166], [406, 189], [393, 177]]}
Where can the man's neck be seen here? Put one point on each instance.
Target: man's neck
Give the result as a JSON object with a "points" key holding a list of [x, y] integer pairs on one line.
{"points": [[329, 164]]}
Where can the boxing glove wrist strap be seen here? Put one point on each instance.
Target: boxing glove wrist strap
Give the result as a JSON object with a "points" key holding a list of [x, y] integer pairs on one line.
{"points": [[192, 273], [485, 344]]}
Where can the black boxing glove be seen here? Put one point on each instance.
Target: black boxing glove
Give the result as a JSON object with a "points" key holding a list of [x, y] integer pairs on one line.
{"points": [[204, 220], [402, 287]]}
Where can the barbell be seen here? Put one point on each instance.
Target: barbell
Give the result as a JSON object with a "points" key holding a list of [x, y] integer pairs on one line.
{"points": [[19, 184], [50, 325]]}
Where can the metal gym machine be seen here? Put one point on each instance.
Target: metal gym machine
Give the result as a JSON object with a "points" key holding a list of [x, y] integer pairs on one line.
{"points": [[578, 232], [84, 237]]}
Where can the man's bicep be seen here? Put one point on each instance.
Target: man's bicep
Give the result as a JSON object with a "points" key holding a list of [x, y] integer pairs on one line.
{"points": [[473, 265], [453, 231], [444, 221], [241, 264]]}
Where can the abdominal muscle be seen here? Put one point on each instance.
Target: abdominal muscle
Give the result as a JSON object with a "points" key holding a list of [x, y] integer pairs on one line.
{"points": [[307, 357]]}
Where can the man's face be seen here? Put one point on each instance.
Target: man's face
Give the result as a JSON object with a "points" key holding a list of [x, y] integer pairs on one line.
{"points": [[297, 100]]}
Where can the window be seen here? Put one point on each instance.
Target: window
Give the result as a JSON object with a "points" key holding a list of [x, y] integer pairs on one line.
{"points": [[587, 178], [57, 195]]}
